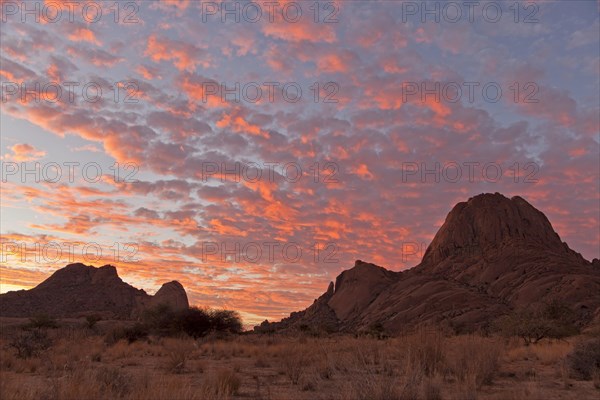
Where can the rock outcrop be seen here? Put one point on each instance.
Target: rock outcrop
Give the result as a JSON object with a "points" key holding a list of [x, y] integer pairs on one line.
{"points": [[78, 290], [173, 295], [492, 254]]}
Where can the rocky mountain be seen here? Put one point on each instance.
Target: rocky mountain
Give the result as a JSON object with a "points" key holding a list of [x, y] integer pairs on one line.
{"points": [[492, 255], [79, 289]]}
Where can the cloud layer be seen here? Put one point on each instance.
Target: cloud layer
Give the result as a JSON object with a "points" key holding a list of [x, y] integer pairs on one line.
{"points": [[254, 160]]}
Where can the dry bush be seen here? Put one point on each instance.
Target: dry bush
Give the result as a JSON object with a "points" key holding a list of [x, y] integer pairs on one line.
{"points": [[14, 389], [7, 359], [517, 352], [325, 365], [412, 383], [584, 360], [553, 320], [130, 334], [475, 359], [113, 381], [551, 352], [426, 352], [166, 387], [369, 351], [223, 385], [564, 374], [468, 390], [42, 321], [295, 363], [178, 353], [596, 378], [30, 343], [91, 321], [261, 362], [368, 386], [432, 389], [218, 349], [118, 351], [85, 383]]}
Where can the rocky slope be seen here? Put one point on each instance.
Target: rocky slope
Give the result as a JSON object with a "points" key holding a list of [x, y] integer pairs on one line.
{"points": [[79, 289], [492, 254]]}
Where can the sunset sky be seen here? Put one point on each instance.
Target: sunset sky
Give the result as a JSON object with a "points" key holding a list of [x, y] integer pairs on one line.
{"points": [[352, 173]]}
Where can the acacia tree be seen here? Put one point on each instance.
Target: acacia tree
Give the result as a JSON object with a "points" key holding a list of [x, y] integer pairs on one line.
{"points": [[553, 321]]}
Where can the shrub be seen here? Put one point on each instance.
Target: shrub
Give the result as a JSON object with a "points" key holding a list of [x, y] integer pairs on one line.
{"points": [[131, 334], [295, 363], [177, 361], [195, 322], [377, 331], [552, 321], [225, 321], [475, 359], [91, 320], [136, 332], [114, 381], [161, 319], [426, 352], [227, 383], [584, 360], [222, 386], [42, 321], [30, 343]]}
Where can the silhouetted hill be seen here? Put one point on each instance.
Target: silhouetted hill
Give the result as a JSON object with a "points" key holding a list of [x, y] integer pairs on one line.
{"points": [[79, 289], [492, 254]]}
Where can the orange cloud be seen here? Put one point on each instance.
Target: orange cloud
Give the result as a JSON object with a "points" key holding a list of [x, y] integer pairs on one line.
{"points": [[240, 125], [363, 172], [302, 30], [24, 152], [148, 72], [84, 35], [185, 56]]}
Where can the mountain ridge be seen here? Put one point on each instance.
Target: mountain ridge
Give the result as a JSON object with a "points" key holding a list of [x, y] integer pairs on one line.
{"points": [[79, 289], [491, 255]]}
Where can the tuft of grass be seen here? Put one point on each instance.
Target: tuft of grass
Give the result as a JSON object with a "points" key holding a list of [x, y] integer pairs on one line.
{"points": [[178, 353], [426, 352], [223, 385], [295, 363], [475, 359]]}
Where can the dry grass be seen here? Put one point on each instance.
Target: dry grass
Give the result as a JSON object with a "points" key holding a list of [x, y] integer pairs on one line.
{"points": [[425, 365], [475, 359]]}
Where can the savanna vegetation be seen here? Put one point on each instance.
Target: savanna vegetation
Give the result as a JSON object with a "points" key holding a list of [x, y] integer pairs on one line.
{"points": [[202, 354]]}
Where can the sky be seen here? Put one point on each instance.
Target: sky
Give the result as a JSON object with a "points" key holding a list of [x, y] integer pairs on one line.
{"points": [[254, 150]]}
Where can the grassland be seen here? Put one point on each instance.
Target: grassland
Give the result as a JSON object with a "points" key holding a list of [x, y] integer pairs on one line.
{"points": [[78, 362]]}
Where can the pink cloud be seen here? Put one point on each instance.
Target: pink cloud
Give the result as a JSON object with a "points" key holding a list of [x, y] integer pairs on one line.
{"points": [[185, 56], [24, 152]]}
